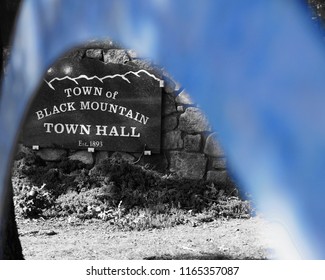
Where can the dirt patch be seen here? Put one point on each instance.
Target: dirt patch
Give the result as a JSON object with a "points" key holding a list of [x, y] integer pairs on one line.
{"points": [[118, 210], [66, 239]]}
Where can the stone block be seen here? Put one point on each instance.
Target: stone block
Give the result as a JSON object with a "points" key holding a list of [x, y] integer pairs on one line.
{"points": [[172, 140], [169, 123], [76, 54], [132, 54], [83, 156], [212, 146], [188, 165], [193, 120], [49, 154], [184, 98], [168, 105], [219, 163], [180, 109], [116, 56], [192, 143], [219, 177], [145, 64], [169, 83], [95, 53]]}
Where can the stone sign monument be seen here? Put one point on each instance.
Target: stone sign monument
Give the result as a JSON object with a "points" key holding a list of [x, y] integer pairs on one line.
{"points": [[96, 106], [100, 102]]}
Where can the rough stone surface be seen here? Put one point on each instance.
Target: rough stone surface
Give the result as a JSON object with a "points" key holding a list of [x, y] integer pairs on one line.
{"points": [[100, 156], [169, 123], [83, 156], [219, 163], [184, 98], [169, 83], [180, 108], [212, 146], [193, 120], [52, 154], [76, 54], [220, 177], [123, 156], [115, 56], [178, 86], [95, 53], [191, 148], [192, 143], [188, 165], [145, 64], [172, 140], [132, 53], [168, 105]]}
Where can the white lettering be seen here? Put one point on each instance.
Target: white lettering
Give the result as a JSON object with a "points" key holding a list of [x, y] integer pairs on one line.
{"points": [[98, 91], [136, 117], [112, 108], [103, 106], [40, 115], [94, 106], [87, 90], [71, 128], [101, 130], [123, 132], [85, 129], [111, 95], [68, 92], [57, 127], [129, 114], [70, 106], [77, 91], [55, 110], [48, 126], [113, 131], [133, 132], [84, 105], [46, 113], [144, 119], [63, 105], [122, 110]]}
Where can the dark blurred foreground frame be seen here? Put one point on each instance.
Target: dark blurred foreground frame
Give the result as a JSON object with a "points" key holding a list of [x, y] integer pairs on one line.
{"points": [[10, 247], [287, 145], [10, 244]]}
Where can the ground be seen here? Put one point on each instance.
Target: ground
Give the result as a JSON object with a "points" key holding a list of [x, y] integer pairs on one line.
{"points": [[67, 239], [117, 210]]}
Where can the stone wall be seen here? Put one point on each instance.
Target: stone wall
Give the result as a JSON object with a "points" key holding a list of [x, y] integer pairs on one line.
{"points": [[189, 146]]}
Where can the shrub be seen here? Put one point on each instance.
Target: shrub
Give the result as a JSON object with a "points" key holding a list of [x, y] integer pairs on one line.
{"points": [[128, 196]]}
